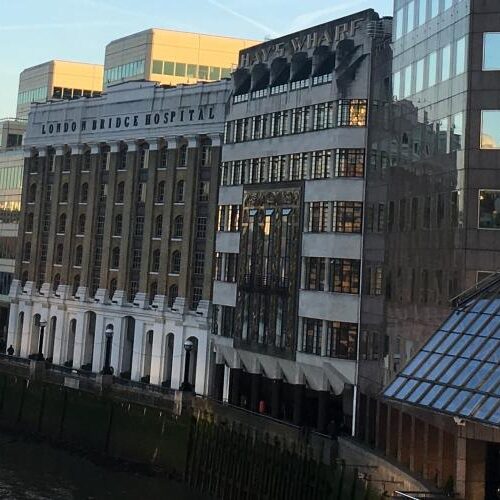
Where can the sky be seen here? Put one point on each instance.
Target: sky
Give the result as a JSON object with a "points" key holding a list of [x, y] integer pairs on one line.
{"points": [[35, 31]]}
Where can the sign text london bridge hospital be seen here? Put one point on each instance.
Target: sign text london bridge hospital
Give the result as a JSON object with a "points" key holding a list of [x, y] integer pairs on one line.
{"points": [[129, 121]]}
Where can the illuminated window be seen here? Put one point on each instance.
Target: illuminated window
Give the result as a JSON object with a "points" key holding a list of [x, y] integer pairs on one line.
{"points": [[490, 129], [489, 209]]}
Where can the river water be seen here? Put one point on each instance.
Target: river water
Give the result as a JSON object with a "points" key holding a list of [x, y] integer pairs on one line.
{"points": [[31, 469]]}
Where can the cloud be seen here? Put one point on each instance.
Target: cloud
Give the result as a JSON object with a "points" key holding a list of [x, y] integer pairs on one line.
{"points": [[266, 29], [322, 15]]}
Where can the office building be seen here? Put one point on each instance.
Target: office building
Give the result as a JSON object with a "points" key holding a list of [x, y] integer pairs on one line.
{"points": [[171, 57], [119, 198], [57, 80], [289, 238]]}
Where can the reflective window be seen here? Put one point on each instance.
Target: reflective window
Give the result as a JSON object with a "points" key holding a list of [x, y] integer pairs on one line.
{"points": [[491, 52], [411, 17], [419, 78], [490, 129], [407, 81], [157, 67], [432, 68], [422, 12], [489, 209], [396, 85], [446, 63], [457, 131], [434, 8], [399, 23], [460, 56], [168, 67], [447, 4]]}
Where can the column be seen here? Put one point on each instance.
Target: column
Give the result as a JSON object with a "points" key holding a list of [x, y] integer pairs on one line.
{"points": [[461, 463], [13, 324], [119, 332], [62, 326], [298, 404], [177, 361], [234, 386], [412, 443], [138, 351], [276, 387], [26, 331], [99, 344], [323, 399], [157, 357], [81, 328]]}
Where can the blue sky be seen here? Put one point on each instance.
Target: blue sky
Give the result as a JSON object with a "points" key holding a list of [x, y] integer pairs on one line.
{"points": [[35, 31]]}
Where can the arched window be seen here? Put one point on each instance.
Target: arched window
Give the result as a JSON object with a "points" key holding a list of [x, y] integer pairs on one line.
{"points": [[118, 225], [183, 155], [159, 226], [64, 193], [29, 223], [172, 295], [179, 192], [115, 258], [155, 261], [59, 253], [24, 278], [176, 262], [81, 224], [178, 226], [153, 288], [57, 280], [120, 192], [32, 194], [61, 226], [76, 284], [84, 193], [112, 288], [78, 255], [160, 192], [27, 251]]}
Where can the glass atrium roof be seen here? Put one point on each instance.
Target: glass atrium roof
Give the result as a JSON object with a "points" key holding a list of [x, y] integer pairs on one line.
{"points": [[457, 372]]}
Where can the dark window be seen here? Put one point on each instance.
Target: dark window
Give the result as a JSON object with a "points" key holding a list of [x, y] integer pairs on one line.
{"points": [[86, 161], [176, 262], [344, 274], [350, 163], [139, 225], [173, 291], [197, 294], [81, 224], [178, 226], [414, 213], [120, 192], [179, 192], [27, 251], [112, 287], [311, 336], [118, 225], [78, 255], [84, 193], [61, 226], [155, 261], [56, 282], [64, 193], [136, 259], [318, 216], [201, 227], [341, 339], [348, 216], [153, 289], [115, 258], [159, 226], [29, 223], [315, 270], [183, 155], [76, 284], [59, 253], [160, 192], [32, 194], [203, 191], [199, 263]]}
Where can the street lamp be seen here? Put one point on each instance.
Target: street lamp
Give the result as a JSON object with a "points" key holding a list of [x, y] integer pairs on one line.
{"points": [[188, 347], [42, 326], [108, 370]]}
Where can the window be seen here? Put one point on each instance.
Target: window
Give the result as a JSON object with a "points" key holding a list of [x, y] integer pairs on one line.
{"points": [[136, 259], [61, 226], [491, 51], [81, 224], [205, 155], [490, 129], [59, 253], [419, 78], [27, 252], [426, 223], [143, 156], [118, 225], [120, 192], [344, 274], [67, 162], [201, 227], [173, 291], [411, 17], [139, 225], [399, 24], [84, 193], [122, 158], [407, 81], [183, 155], [158, 226], [348, 216], [199, 263], [311, 336], [446, 63], [414, 214], [197, 293], [350, 163], [168, 68], [86, 161], [155, 261], [432, 69], [153, 290], [352, 113], [489, 209], [456, 132], [132, 291], [176, 262], [157, 67], [78, 255], [318, 215], [434, 8], [179, 192], [160, 192], [315, 272], [163, 157], [402, 215], [29, 223], [64, 193], [32, 194], [341, 339], [103, 192], [203, 191], [320, 164], [141, 193], [115, 258], [76, 285], [203, 72], [396, 85], [178, 226], [100, 225]]}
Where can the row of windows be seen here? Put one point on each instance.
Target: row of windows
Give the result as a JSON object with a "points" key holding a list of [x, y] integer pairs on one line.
{"points": [[226, 267], [342, 113], [28, 96], [340, 341], [332, 275], [124, 71], [438, 66], [416, 13], [189, 70], [321, 164], [334, 216], [68, 93]]}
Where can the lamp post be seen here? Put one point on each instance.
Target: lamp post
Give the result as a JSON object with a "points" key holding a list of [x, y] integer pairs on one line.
{"points": [[108, 370], [188, 347], [42, 326]]}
